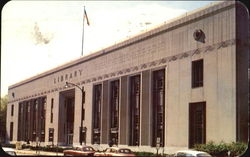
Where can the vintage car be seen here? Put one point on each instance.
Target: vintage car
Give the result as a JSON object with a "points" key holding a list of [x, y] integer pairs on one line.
{"points": [[191, 153], [115, 151], [9, 151], [80, 151]]}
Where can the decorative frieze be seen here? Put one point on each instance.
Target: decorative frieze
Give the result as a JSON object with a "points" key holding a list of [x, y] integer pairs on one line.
{"points": [[99, 78], [151, 64], [143, 66], [128, 70]]}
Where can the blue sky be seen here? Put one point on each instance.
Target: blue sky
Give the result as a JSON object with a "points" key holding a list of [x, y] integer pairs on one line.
{"points": [[40, 35]]}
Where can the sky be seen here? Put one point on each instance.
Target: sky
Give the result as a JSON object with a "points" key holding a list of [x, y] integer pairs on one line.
{"points": [[40, 35]]}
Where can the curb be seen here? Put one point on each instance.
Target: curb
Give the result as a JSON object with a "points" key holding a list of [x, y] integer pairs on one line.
{"points": [[38, 152]]}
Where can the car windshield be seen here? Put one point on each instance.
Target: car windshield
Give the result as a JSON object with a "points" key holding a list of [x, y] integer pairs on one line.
{"points": [[124, 151], [87, 149], [184, 155], [203, 155]]}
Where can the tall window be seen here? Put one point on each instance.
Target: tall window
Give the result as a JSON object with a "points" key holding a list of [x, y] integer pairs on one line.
{"points": [[11, 131], [197, 73], [97, 113], [43, 116], [114, 111], [12, 110], [158, 108], [31, 120], [51, 110], [25, 117], [20, 122], [135, 110], [34, 120]]}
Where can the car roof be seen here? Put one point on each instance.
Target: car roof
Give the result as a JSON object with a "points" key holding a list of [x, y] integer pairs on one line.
{"points": [[87, 147], [83, 146], [193, 152], [114, 147], [7, 149]]}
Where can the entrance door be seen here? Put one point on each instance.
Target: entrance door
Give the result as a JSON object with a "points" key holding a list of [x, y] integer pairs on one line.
{"points": [[66, 117], [69, 119], [197, 123]]}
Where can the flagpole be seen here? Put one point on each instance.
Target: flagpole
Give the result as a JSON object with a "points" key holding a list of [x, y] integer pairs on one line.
{"points": [[83, 29]]}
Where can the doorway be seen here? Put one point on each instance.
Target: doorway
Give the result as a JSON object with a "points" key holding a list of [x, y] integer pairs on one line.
{"points": [[197, 123], [70, 107], [67, 114]]}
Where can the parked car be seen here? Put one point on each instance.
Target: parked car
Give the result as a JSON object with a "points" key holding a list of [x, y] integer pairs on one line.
{"points": [[115, 151], [80, 151], [191, 153], [9, 151]]}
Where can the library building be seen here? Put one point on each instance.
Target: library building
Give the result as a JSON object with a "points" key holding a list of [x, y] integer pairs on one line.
{"points": [[182, 83]]}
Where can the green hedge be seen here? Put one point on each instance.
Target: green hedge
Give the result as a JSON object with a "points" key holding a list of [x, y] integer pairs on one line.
{"points": [[48, 148], [144, 154], [8, 145], [221, 149]]}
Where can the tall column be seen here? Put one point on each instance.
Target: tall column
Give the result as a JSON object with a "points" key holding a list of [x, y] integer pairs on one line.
{"points": [[145, 108], [105, 114], [123, 131]]}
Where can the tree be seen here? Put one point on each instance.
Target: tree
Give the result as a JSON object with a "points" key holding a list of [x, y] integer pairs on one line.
{"points": [[3, 112]]}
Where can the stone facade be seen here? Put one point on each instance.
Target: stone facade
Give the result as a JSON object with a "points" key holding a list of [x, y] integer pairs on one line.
{"points": [[171, 47]]}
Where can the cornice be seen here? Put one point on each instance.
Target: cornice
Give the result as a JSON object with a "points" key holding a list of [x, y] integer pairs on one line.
{"points": [[139, 68]]}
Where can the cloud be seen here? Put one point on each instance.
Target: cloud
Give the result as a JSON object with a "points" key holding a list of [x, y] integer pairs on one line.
{"points": [[39, 37]]}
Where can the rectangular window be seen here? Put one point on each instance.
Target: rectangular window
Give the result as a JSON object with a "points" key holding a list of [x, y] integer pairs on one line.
{"points": [[42, 118], [97, 113], [25, 119], [197, 73], [135, 85], [114, 111], [20, 121], [158, 108], [12, 110], [51, 110], [35, 120], [11, 131], [29, 132]]}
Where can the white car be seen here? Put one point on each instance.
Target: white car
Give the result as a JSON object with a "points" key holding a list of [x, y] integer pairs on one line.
{"points": [[191, 153], [9, 151]]}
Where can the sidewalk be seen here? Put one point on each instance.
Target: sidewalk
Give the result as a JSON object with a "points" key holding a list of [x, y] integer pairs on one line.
{"points": [[33, 152]]}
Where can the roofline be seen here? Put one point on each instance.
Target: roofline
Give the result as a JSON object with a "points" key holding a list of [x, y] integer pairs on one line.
{"points": [[165, 27]]}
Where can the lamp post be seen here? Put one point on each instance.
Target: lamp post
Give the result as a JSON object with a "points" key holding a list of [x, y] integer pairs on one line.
{"points": [[83, 97]]}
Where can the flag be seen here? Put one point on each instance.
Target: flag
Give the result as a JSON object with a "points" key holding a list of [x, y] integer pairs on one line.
{"points": [[86, 16]]}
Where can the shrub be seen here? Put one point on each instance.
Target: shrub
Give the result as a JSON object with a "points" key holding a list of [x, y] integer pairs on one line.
{"points": [[221, 149], [47, 148], [144, 154], [237, 148], [8, 145]]}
